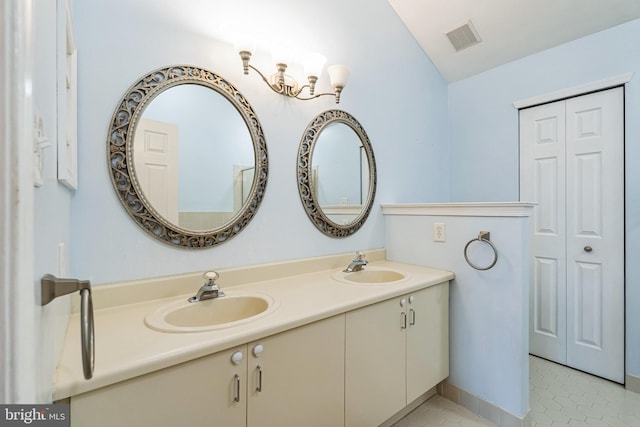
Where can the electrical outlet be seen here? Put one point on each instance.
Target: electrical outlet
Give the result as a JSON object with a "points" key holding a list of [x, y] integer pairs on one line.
{"points": [[439, 232]]}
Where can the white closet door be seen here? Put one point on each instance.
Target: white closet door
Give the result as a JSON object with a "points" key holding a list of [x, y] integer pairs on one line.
{"points": [[595, 234], [542, 180], [572, 157]]}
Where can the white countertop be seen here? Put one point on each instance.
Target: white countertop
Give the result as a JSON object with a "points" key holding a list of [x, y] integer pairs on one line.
{"points": [[125, 347]]}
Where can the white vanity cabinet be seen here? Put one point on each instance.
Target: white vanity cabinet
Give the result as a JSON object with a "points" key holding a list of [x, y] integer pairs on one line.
{"points": [[209, 391], [427, 339], [353, 369], [295, 378], [396, 351]]}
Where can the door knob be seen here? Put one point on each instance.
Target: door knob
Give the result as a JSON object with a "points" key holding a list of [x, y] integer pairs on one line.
{"points": [[588, 248]]}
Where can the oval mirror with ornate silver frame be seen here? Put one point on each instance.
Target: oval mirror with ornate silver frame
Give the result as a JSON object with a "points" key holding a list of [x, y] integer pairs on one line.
{"points": [[335, 148], [126, 181]]}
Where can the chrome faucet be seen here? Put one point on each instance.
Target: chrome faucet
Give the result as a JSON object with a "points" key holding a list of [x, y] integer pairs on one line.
{"points": [[357, 264], [209, 290]]}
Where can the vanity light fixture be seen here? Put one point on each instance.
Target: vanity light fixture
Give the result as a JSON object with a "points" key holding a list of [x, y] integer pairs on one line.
{"points": [[286, 85]]}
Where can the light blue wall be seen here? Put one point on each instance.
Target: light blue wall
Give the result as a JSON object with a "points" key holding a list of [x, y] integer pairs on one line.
{"points": [[484, 133], [488, 310], [394, 91]]}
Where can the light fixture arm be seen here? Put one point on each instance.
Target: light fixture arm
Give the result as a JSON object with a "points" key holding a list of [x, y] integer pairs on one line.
{"points": [[317, 95], [274, 87], [287, 87]]}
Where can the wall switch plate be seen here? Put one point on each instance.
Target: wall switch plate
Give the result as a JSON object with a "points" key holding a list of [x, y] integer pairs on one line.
{"points": [[62, 260], [439, 232]]}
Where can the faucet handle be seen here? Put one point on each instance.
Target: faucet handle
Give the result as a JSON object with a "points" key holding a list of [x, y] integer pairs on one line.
{"points": [[211, 277], [360, 256]]}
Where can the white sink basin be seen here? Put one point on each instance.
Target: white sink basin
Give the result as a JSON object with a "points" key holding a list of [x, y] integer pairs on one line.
{"points": [[372, 276], [208, 315]]}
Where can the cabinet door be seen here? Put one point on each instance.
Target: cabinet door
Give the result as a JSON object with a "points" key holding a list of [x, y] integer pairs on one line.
{"points": [[197, 393], [427, 339], [298, 377], [375, 363]]}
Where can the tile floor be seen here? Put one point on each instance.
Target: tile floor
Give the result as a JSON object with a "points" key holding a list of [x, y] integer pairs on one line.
{"points": [[559, 396], [441, 412]]}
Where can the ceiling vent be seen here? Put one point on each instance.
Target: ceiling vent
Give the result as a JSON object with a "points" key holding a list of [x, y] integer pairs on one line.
{"points": [[464, 36]]}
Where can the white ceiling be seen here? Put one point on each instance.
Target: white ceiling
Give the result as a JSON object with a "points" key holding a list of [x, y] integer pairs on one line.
{"points": [[509, 29]]}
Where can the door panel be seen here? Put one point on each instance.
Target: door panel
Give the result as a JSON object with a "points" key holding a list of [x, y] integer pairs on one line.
{"points": [[372, 399], [588, 196], [545, 297], [156, 160], [588, 303], [542, 158], [297, 378], [595, 240], [427, 340], [199, 393]]}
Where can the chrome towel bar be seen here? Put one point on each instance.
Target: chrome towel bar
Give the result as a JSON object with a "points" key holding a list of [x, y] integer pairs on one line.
{"points": [[53, 287], [484, 237]]}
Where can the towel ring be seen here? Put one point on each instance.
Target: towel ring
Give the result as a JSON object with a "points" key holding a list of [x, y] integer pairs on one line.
{"points": [[87, 333], [482, 237], [52, 287]]}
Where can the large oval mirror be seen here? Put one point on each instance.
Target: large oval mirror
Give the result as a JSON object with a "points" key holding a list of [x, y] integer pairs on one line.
{"points": [[336, 173], [187, 156]]}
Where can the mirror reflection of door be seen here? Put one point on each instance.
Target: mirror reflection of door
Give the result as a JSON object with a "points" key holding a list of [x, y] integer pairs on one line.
{"points": [[213, 148], [242, 182], [156, 161]]}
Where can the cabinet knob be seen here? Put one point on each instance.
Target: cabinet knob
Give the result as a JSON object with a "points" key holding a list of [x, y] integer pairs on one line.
{"points": [[237, 357], [411, 299], [403, 302], [257, 350]]}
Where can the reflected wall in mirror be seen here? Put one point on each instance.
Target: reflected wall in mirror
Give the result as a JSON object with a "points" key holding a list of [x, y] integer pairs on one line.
{"points": [[188, 157], [336, 173]]}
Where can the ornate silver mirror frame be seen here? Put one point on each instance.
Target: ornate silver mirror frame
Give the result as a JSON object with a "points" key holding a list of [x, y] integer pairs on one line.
{"points": [[307, 187], [120, 156]]}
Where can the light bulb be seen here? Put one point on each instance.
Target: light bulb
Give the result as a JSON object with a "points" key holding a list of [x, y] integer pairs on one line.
{"points": [[338, 74], [313, 64], [245, 43]]}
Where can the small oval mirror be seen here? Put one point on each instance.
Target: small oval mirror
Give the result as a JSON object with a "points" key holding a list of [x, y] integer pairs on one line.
{"points": [[336, 173]]}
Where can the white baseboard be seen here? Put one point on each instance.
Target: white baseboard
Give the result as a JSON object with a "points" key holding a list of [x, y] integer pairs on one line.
{"points": [[632, 383], [481, 407]]}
